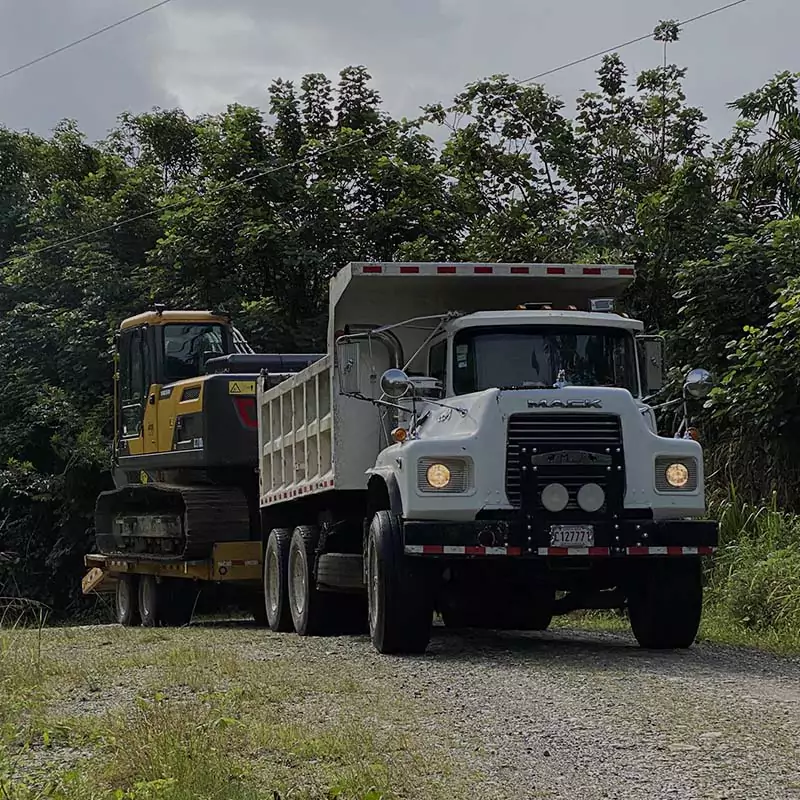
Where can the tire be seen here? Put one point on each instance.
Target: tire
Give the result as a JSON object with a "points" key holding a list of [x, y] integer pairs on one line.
{"points": [[399, 591], [150, 596], [665, 603], [305, 600], [277, 612], [126, 601]]}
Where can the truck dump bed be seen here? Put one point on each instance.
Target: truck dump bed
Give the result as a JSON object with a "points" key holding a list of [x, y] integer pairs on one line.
{"points": [[311, 438]]}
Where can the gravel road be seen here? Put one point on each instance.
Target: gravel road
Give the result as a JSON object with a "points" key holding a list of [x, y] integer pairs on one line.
{"points": [[569, 714], [566, 714]]}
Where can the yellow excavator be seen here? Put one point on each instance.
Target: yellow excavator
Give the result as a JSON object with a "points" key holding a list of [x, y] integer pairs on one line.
{"points": [[185, 436]]}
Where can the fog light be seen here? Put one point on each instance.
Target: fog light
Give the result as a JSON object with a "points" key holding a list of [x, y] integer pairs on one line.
{"points": [[438, 476], [555, 497], [677, 475], [591, 498]]}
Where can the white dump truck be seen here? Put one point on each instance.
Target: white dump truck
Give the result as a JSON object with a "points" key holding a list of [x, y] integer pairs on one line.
{"points": [[480, 441]]}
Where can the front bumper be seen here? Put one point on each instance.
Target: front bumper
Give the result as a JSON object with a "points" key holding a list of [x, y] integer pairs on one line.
{"points": [[512, 537]]}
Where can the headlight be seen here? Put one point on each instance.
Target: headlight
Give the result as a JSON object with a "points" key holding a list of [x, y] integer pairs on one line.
{"points": [[449, 475], [438, 476], [676, 474]]}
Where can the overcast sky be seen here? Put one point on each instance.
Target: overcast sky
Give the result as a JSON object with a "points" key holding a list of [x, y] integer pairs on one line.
{"points": [[203, 54]]}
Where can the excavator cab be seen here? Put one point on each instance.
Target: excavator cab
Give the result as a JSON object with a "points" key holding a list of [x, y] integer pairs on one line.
{"points": [[161, 349]]}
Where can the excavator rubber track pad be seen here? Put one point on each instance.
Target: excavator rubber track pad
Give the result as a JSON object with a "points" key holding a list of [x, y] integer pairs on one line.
{"points": [[168, 522]]}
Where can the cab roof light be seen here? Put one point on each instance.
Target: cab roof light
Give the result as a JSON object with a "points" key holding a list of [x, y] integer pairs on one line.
{"points": [[535, 307]]}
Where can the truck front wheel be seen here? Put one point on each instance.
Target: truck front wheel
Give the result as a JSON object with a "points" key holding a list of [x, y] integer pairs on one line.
{"points": [[399, 591], [665, 603]]}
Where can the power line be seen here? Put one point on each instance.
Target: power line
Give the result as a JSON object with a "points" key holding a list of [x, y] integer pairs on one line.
{"points": [[301, 161], [83, 39], [643, 37]]}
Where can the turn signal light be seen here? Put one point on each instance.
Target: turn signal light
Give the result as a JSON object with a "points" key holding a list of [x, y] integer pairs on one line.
{"points": [[399, 435]]}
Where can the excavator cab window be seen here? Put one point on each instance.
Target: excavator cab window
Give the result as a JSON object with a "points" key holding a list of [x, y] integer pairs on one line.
{"points": [[135, 377], [187, 347]]}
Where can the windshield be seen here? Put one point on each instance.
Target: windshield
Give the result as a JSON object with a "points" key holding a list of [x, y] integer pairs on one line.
{"points": [[188, 347], [541, 356]]}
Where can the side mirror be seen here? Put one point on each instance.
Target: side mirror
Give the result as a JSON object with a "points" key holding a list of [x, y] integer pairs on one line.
{"points": [[348, 367], [698, 384], [652, 350], [395, 384]]}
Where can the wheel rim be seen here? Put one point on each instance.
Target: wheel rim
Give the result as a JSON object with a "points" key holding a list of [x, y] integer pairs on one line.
{"points": [[298, 573], [123, 598], [272, 583], [147, 598], [372, 585]]}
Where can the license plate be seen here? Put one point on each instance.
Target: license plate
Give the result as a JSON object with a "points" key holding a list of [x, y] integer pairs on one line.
{"points": [[571, 536]]}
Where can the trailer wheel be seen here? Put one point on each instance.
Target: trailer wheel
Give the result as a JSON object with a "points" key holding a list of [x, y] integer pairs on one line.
{"points": [[276, 581], [149, 601], [399, 591], [127, 601], [305, 600], [665, 603]]}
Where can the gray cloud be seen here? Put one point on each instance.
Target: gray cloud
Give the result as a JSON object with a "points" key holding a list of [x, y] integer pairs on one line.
{"points": [[203, 54]]}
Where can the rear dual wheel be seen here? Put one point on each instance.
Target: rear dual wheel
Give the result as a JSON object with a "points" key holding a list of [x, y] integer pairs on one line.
{"points": [[276, 581]]}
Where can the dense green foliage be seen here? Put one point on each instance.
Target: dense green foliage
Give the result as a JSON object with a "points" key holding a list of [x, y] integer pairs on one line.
{"points": [[254, 211]]}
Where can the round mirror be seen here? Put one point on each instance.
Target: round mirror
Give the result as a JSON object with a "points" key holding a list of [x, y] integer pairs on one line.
{"points": [[395, 383], [698, 384]]}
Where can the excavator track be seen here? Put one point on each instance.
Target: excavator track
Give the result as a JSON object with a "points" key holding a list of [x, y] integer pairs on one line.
{"points": [[171, 523]]}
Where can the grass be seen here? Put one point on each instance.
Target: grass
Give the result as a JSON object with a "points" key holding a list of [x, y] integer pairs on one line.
{"points": [[131, 714], [753, 586]]}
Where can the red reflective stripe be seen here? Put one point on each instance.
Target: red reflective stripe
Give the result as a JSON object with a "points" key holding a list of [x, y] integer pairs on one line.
{"points": [[556, 271], [626, 271], [409, 270], [592, 271], [638, 551], [520, 271], [599, 551], [446, 270], [515, 551], [675, 551], [483, 270], [374, 268], [433, 549]]}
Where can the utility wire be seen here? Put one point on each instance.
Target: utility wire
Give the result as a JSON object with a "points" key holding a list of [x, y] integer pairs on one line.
{"points": [[83, 39], [299, 162], [643, 37]]}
